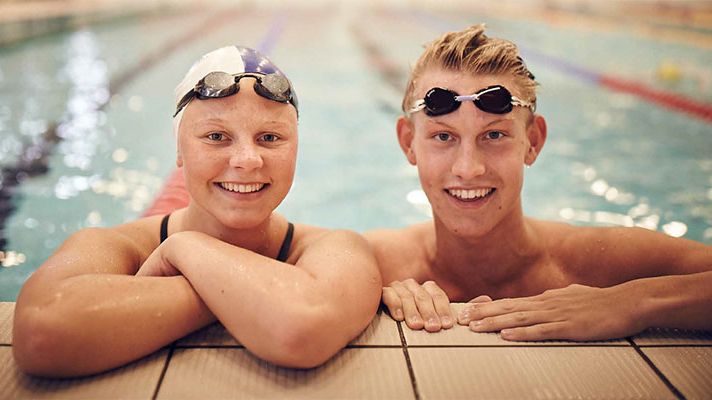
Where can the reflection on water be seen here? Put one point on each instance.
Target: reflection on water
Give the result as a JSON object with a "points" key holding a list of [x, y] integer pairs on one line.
{"points": [[89, 77], [11, 258]]}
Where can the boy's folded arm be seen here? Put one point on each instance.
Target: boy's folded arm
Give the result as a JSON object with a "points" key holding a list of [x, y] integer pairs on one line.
{"points": [[83, 312]]}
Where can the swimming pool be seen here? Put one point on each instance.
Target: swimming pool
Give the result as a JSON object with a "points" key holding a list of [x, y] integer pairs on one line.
{"points": [[85, 128]]}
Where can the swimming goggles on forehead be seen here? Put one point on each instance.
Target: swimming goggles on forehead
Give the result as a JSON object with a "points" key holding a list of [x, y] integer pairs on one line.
{"points": [[221, 84], [494, 99]]}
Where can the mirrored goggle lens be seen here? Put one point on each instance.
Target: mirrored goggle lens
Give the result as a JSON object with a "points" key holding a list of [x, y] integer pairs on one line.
{"points": [[274, 87], [216, 84], [497, 101], [440, 101]]}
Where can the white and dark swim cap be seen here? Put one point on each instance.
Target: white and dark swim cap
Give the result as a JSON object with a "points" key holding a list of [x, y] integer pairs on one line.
{"points": [[231, 60]]}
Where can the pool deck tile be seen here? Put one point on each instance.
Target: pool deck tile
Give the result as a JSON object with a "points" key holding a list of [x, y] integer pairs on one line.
{"points": [[7, 310], [534, 372], [689, 369], [383, 331], [375, 373], [134, 381]]}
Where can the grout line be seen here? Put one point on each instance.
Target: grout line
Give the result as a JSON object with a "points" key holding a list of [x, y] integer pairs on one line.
{"points": [[163, 372], [530, 346], [374, 346], [5, 344], [413, 382], [675, 391]]}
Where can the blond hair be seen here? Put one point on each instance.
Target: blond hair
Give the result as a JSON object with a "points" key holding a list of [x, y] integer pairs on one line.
{"points": [[471, 51]]}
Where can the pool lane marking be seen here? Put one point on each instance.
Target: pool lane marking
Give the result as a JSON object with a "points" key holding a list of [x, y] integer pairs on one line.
{"points": [[272, 36], [34, 158], [387, 69], [670, 100]]}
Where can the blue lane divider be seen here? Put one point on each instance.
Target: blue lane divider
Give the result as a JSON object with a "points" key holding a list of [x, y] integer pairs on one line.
{"points": [[275, 31]]}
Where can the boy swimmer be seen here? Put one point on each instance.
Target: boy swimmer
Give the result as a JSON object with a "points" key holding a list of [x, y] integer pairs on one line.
{"points": [[293, 295], [470, 127]]}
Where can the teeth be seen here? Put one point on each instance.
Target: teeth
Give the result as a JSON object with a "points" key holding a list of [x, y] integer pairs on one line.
{"points": [[240, 188], [469, 194]]}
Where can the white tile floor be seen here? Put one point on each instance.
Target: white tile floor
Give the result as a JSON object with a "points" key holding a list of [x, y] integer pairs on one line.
{"points": [[390, 361]]}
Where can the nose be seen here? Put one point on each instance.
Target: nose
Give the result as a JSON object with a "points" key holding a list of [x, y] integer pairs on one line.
{"points": [[469, 163], [246, 156]]}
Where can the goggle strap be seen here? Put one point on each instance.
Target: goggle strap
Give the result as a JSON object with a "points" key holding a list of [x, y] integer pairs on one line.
{"points": [[417, 106], [184, 101], [473, 97], [519, 102]]}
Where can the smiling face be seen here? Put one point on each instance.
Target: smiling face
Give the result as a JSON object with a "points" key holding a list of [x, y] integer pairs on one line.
{"points": [[238, 155], [471, 162]]}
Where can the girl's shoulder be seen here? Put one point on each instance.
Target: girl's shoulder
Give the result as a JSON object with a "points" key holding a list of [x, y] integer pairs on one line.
{"points": [[144, 234]]}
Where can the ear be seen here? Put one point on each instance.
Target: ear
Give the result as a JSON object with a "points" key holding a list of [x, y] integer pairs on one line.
{"points": [[404, 128], [536, 134]]}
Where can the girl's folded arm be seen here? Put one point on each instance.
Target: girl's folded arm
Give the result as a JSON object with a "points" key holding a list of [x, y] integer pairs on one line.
{"points": [[292, 315], [83, 311]]}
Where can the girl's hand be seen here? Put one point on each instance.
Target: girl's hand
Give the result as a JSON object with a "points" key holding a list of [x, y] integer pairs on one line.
{"points": [[157, 263]]}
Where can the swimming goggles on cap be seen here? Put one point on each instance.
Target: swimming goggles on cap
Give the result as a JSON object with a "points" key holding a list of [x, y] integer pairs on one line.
{"points": [[494, 99], [221, 84]]}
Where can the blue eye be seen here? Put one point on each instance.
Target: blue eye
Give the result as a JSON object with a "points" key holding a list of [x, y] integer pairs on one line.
{"points": [[443, 137], [216, 136], [494, 135], [269, 137]]}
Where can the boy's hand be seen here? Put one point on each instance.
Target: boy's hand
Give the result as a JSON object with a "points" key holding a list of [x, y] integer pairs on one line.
{"points": [[421, 306], [575, 312]]}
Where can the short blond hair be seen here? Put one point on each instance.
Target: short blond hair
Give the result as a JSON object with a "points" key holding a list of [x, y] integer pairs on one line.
{"points": [[470, 50]]}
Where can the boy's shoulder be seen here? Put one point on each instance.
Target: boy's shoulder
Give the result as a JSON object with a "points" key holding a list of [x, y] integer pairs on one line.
{"points": [[608, 255]]}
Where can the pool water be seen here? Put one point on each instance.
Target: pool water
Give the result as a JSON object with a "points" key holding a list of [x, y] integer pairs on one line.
{"points": [[85, 119]]}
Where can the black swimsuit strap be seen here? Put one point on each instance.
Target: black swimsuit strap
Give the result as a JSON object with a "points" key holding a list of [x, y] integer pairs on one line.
{"points": [[164, 227], [283, 251], [286, 244]]}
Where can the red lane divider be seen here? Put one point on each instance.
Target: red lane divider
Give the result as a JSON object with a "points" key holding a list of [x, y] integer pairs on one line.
{"points": [[666, 99], [172, 196]]}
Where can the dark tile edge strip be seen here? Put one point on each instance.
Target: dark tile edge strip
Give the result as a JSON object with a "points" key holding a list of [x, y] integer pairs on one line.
{"points": [[413, 381], [675, 391], [163, 372]]}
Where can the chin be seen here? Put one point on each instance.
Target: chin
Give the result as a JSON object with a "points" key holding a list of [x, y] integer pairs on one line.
{"points": [[464, 227], [241, 220]]}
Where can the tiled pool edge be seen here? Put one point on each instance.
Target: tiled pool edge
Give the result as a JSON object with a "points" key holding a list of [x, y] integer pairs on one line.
{"points": [[375, 344]]}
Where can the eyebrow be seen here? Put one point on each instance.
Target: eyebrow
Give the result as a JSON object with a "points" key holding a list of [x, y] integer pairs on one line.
{"points": [[448, 126]]}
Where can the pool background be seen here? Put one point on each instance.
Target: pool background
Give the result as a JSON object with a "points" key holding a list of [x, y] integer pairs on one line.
{"points": [[85, 114]]}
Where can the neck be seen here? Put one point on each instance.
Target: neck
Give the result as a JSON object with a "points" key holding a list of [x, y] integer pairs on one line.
{"points": [[493, 261], [264, 238]]}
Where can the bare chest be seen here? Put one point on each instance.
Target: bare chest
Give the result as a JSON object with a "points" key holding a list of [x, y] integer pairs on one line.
{"points": [[529, 280]]}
